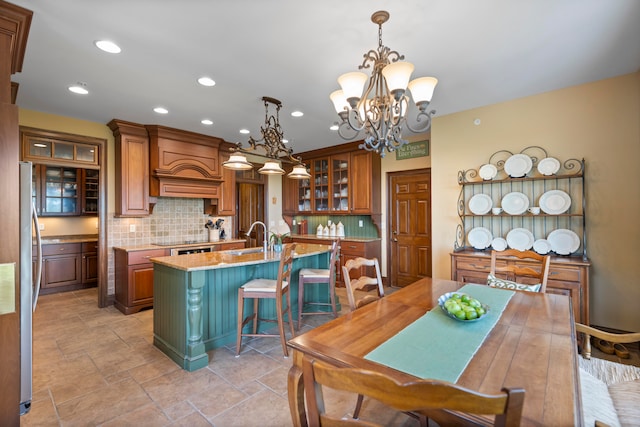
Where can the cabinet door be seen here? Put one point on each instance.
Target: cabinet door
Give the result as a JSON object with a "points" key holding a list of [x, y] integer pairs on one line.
{"points": [[132, 169], [90, 263], [60, 191], [227, 198], [61, 270], [340, 183], [140, 284], [361, 180], [320, 194]]}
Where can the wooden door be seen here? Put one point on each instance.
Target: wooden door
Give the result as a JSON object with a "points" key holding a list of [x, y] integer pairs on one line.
{"points": [[409, 245], [250, 198]]}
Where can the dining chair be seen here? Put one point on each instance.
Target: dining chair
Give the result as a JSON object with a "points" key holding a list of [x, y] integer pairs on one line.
{"points": [[609, 389], [423, 396], [353, 284], [276, 289], [358, 265], [534, 279], [319, 276]]}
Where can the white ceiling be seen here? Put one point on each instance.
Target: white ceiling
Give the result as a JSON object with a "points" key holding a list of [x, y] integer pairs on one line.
{"points": [[482, 51]]}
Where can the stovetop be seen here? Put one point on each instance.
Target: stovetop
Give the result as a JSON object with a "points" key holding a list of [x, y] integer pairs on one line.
{"points": [[181, 243]]}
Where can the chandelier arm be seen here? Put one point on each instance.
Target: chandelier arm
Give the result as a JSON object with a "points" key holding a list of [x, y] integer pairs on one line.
{"points": [[422, 115]]}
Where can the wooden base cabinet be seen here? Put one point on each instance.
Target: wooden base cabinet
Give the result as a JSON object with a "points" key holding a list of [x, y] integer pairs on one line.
{"points": [[67, 266], [567, 276], [134, 279], [90, 264]]}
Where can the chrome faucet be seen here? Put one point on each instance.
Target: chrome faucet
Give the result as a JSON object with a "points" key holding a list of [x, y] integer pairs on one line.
{"points": [[264, 227]]}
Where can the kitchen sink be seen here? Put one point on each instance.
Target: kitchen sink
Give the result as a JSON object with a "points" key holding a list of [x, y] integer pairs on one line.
{"points": [[255, 250]]}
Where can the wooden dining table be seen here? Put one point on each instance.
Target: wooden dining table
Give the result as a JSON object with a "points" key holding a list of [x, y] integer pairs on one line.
{"points": [[532, 346]]}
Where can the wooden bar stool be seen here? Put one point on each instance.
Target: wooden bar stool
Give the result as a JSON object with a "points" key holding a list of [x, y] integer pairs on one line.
{"points": [[258, 289], [315, 275]]}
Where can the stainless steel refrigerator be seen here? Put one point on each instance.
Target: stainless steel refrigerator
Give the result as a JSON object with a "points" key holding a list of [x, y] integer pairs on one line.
{"points": [[29, 288]]}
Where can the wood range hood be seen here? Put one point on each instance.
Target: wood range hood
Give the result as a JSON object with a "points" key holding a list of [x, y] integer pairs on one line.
{"points": [[184, 164]]}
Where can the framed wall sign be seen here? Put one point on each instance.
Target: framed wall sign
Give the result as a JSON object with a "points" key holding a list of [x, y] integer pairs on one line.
{"points": [[413, 150]]}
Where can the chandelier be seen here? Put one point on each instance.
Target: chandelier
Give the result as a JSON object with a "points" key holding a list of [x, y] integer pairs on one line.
{"points": [[382, 109], [273, 146]]}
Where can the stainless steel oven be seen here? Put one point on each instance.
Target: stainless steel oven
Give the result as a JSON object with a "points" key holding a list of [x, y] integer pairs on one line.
{"points": [[190, 250]]}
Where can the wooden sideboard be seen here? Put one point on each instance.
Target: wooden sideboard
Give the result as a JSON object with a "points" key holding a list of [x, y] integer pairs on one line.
{"points": [[567, 276]]}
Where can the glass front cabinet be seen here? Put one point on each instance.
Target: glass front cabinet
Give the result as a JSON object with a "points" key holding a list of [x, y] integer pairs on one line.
{"points": [[328, 188]]}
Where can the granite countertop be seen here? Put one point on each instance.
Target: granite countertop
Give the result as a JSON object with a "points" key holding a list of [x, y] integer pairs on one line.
{"points": [[132, 248], [233, 257], [332, 238], [78, 238]]}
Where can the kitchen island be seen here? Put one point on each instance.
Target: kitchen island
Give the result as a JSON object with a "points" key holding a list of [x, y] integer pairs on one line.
{"points": [[195, 297]]}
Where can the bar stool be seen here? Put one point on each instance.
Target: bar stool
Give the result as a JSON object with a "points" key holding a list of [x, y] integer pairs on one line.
{"points": [[258, 289], [314, 275]]}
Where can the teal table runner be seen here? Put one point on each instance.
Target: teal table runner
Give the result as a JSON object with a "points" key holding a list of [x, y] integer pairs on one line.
{"points": [[438, 347]]}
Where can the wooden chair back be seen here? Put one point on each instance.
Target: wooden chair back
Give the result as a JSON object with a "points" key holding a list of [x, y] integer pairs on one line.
{"points": [[358, 283], [284, 269], [589, 331], [423, 396], [514, 272]]}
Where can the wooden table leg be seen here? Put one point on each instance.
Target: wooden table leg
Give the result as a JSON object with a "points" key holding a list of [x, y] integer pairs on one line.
{"points": [[295, 389]]}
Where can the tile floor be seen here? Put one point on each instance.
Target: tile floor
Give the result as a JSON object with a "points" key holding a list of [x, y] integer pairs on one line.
{"points": [[98, 367]]}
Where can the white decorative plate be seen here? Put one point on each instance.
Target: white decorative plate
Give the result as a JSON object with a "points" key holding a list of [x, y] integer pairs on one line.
{"points": [[518, 165], [555, 202], [563, 241], [520, 238], [480, 237], [480, 204], [488, 171], [542, 246], [515, 203], [499, 244], [548, 166]]}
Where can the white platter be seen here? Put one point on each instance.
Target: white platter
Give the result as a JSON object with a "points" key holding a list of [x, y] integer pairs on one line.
{"points": [[518, 165], [515, 203], [499, 244], [520, 238], [555, 202], [488, 171], [548, 166], [480, 237], [563, 241], [542, 246], [480, 204]]}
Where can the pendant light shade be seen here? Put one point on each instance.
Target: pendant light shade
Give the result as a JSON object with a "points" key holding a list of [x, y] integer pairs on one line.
{"points": [[237, 162], [299, 172], [271, 168]]}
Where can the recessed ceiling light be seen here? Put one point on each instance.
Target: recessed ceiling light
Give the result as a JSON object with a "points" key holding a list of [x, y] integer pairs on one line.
{"points": [[108, 46], [297, 113], [244, 131], [161, 110], [334, 127], [285, 141], [79, 88], [206, 81], [206, 122]]}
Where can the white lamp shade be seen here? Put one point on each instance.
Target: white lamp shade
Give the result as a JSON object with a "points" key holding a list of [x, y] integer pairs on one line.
{"points": [[271, 168], [237, 162], [339, 101], [299, 172], [352, 84], [397, 75], [422, 89]]}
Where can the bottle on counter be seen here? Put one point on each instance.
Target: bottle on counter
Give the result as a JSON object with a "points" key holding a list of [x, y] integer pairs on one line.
{"points": [[332, 230], [319, 230], [340, 229], [325, 231]]}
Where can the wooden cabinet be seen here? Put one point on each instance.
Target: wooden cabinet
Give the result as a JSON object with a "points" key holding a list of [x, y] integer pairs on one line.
{"points": [[132, 168], [68, 266], [90, 263], [49, 147], [567, 276], [65, 191], [61, 267], [344, 180], [134, 279], [227, 198]]}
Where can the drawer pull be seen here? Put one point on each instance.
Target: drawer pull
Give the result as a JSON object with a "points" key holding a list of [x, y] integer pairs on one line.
{"points": [[478, 267], [147, 257]]}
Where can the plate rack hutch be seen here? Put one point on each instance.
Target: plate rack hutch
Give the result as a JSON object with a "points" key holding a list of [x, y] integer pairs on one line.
{"points": [[569, 271]]}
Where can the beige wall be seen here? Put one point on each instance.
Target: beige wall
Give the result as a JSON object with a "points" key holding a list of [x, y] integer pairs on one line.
{"points": [[599, 122]]}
